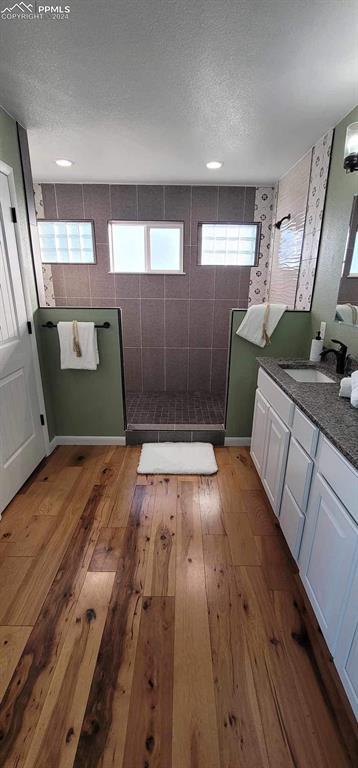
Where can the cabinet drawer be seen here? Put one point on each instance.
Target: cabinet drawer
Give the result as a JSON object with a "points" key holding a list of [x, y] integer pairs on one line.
{"points": [[299, 473], [291, 522], [279, 401], [305, 432], [340, 475]]}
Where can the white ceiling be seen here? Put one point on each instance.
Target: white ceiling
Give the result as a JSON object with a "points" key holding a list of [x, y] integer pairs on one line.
{"points": [[149, 90]]}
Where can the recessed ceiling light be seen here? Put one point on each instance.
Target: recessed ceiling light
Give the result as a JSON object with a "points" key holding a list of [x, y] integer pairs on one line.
{"points": [[64, 163], [214, 164]]}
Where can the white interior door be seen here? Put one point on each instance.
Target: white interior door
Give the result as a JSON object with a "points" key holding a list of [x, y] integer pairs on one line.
{"points": [[21, 434]]}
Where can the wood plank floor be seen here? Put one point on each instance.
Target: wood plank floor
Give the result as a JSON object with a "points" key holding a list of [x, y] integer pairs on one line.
{"points": [[157, 622]]}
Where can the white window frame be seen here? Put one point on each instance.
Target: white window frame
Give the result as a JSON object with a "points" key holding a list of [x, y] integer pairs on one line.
{"points": [[148, 225], [256, 224], [70, 221]]}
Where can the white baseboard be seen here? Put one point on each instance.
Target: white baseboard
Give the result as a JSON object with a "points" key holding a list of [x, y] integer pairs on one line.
{"points": [[237, 441], [85, 440]]}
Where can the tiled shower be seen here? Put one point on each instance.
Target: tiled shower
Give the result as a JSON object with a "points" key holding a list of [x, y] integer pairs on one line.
{"points": [[175, 327]]}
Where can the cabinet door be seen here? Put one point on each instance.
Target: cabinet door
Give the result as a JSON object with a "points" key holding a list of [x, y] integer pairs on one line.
{"points": [[275, 458], [259, 431], [346, 658], [292, 521], [327, 557]]}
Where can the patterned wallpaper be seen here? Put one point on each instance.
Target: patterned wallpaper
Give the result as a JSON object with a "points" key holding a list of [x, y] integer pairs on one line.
{"points": [[264, 207]]}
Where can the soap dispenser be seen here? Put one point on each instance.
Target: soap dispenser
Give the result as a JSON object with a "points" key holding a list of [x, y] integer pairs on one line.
{"points": [[316, 348]]}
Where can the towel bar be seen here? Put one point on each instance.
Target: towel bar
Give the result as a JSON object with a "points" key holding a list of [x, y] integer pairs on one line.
{"points": [[50, 324]]}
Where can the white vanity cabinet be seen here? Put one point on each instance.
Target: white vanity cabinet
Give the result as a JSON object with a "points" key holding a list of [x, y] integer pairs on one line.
{"points": [[328, 556], [275, 457], [346, 657], [259, 431]]}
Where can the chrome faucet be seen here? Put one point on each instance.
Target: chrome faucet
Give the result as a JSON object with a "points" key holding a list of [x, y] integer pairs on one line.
{"points": [[340, 354]]}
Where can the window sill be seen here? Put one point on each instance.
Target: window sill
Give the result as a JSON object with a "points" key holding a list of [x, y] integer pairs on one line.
{"points": [[152, 274]]}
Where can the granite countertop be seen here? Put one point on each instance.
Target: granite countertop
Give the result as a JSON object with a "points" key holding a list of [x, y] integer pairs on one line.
{"points": [[334, 415]]}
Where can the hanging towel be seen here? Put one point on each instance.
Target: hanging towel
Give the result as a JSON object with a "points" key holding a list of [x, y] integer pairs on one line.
{"points": [[87, 339], [260, 322], [354, 395], [345, 389]]}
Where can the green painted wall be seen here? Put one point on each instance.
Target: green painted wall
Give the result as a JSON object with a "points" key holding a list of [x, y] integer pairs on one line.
{"points": [[9, 154], [340, 191], [291, 338], [82, 403]]}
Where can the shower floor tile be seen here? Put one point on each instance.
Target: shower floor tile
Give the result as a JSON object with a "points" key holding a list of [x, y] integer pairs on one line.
{"points": [[172, 408]]}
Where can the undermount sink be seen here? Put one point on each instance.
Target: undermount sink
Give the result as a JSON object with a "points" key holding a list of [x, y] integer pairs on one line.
{"points": [[309, 375]]}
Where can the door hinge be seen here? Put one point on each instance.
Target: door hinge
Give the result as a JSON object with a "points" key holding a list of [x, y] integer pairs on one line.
{"points": [[29, 326], [13, 215], [42, 419]]}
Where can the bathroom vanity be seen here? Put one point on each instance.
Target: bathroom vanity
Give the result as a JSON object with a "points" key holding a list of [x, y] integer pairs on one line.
{"points": [[305, 448]]}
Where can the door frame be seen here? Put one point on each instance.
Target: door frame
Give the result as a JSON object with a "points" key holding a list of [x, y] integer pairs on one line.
{"points": [[26, 276]]}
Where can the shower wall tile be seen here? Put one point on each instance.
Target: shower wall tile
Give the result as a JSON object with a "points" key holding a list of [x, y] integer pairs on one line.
{"points": [[97, 207], [69, 200], [123, 201], [150, 202], [49, 201], [167, 319], [231, 203], [249, 204], [199, 369], [133, 369], [177, 207], [218, 370], [151, 286], [153, 369], [176, 370], [131, 322], [152, 311], [201, 323], [177, 323]]}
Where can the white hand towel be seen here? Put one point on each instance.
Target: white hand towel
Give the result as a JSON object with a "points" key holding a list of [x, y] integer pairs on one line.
{"points": [[88, 343], [354, 395], [260, 322], [345, 389]]}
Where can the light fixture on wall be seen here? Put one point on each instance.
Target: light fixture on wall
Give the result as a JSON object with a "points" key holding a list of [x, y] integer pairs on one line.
{"points": [[213, 165], [351, 149], [64, 163]]}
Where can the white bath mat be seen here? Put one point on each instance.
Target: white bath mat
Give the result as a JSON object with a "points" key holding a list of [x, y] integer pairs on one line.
{"points": [[177, 459]]}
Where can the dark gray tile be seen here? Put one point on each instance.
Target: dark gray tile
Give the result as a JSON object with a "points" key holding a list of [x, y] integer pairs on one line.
{"points": [[133, 369], [227, 283], [69, 198], [77, 280], [103, 301], [101, 281], [152, 322], [176, 374], [244, 286], [202, 279], [199, 369], [222, 317], [177, 207], [78, 301], [249, 208], [127, 286], [123, 198], [151, 286], [231, 204], [174, 436], [218, 370], [58, 280], [177, 286], [131, 322], [137, 437], [216, 437], [201, 323], [153, 370], [177, 323], [49, 201], [204, 208], [150, 202], [97, 207]]}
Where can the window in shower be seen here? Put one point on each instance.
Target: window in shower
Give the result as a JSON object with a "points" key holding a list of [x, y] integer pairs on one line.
{"points": [[224, 245], [66, 242], [146, 247]]}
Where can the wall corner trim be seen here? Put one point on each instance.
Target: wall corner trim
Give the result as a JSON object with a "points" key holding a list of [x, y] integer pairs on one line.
{"points": [[84, 440]]}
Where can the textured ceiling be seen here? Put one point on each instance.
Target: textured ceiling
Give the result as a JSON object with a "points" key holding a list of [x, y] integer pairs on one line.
{"points": [[149, 90]]}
